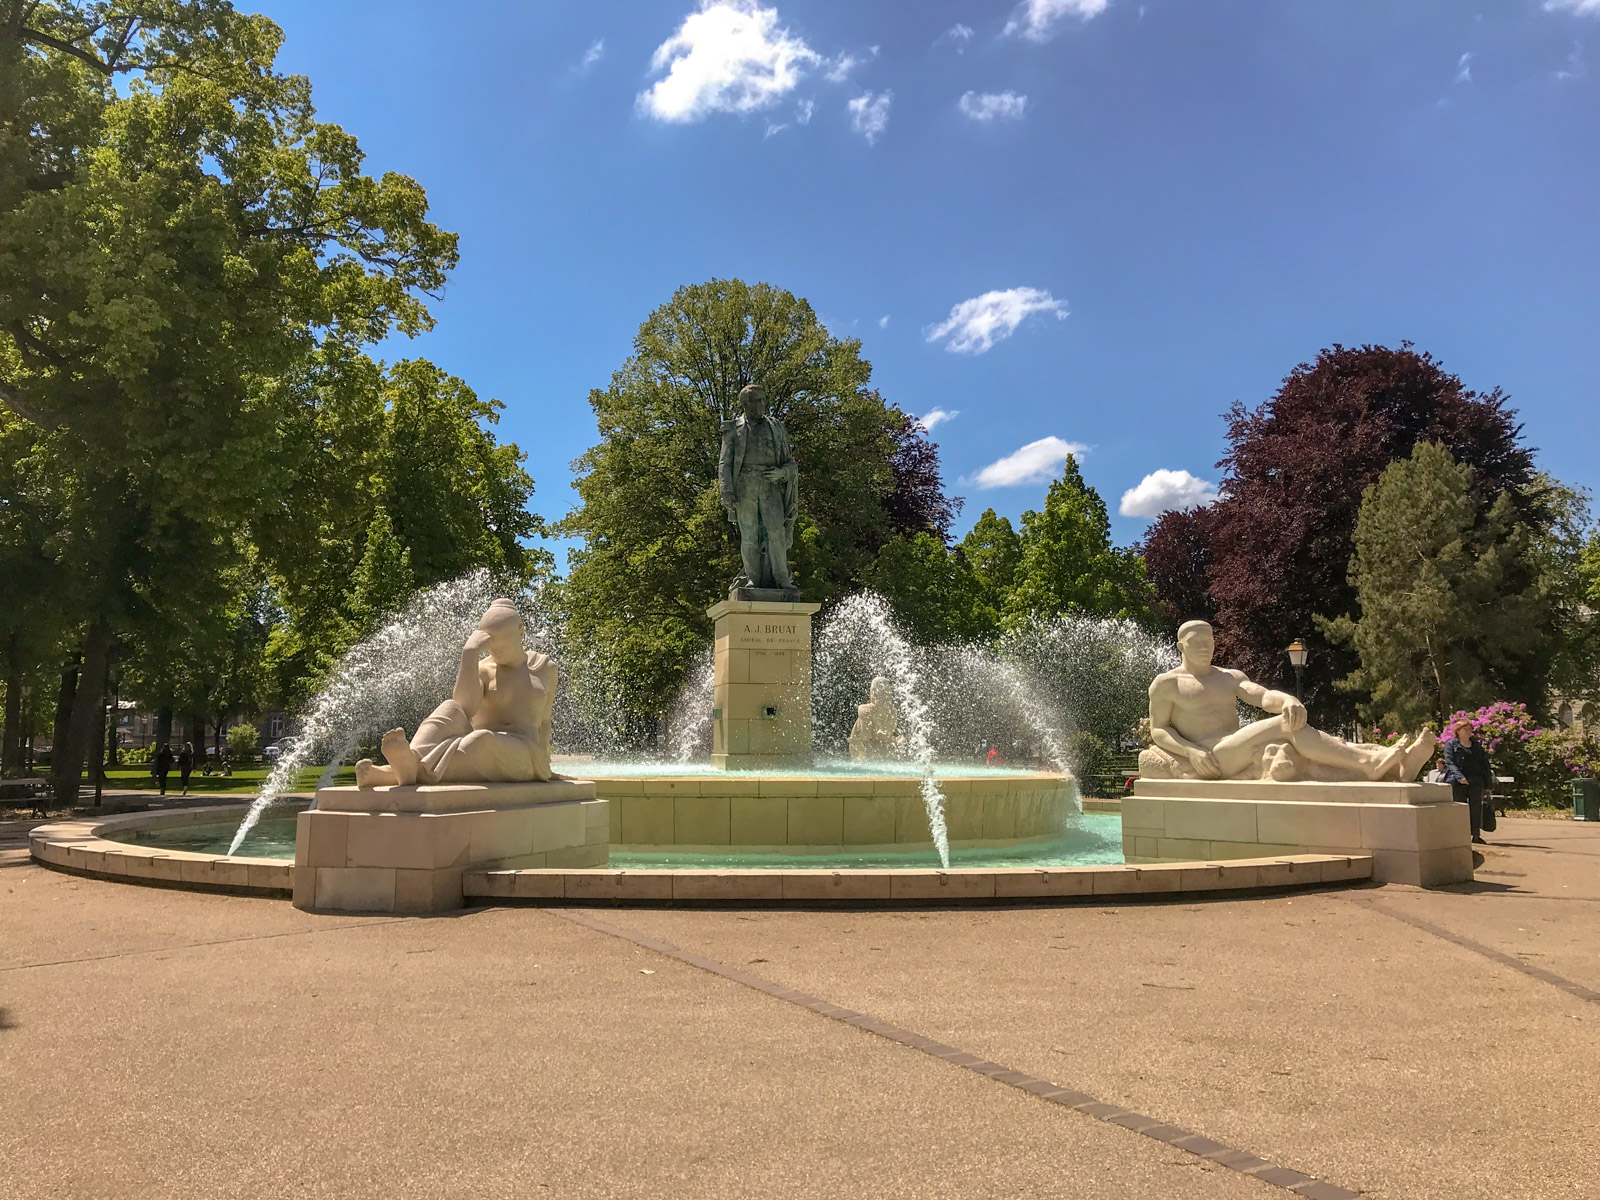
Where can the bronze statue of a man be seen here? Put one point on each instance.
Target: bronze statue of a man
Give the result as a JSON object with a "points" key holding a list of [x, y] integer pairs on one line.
{"points": [[760, 489]]}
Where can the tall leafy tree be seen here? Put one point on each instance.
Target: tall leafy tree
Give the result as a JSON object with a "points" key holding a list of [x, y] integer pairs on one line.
{"points": [[399, 482], [1280, 539], [1455, 611], [1066, 562], [658, 550], [993, 550], [933, 588], [1177, 560], [176, 226]]}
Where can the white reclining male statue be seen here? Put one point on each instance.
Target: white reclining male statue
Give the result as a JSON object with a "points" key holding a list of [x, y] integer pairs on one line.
{"points": [[495, 728], [1195, 726]]}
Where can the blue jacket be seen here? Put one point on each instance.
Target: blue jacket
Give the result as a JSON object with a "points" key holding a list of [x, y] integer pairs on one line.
{"points": [[1466, 764]]}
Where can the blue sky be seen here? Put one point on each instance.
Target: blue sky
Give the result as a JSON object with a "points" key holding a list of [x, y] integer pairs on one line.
{"points": [[1084, 223]]}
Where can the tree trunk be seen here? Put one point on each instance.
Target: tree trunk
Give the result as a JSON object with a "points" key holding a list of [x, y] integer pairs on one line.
{"points": [[67, 760], [95, 752], [164, 727], [61, 732], [195, 734], [11, 743]]}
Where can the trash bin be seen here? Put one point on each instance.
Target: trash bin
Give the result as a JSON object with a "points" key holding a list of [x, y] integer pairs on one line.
{"points": [[1586, 799]]}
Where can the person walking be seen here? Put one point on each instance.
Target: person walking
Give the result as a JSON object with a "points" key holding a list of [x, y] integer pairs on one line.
{"points": [[1467, 771], [186, 764], [161, 765]]}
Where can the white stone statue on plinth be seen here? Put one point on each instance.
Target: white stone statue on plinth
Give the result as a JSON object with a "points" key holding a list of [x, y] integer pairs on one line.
{"points": [[874, 736], [495, 728], [1195, 729], [472, 790]]}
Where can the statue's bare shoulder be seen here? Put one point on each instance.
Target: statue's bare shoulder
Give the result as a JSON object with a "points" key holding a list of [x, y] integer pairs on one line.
{"points": [[1166, 682]]}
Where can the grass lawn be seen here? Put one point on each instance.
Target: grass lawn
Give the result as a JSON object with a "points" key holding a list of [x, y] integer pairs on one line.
{"points": [[243, 780]]}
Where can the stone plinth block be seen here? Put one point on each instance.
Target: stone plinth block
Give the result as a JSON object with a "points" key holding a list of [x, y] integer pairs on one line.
{"points": [[761, 699], [452, 797], [1413, 832], [1388, 792], [412, 862]]}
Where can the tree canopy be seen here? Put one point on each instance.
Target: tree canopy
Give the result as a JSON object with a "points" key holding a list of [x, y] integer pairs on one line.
{"points": [[190, 263], [1276, 547], [1453, 609], [658, 550], [1066, 562]]}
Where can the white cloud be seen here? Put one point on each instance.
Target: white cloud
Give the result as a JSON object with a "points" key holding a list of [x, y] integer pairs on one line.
{"points": [[839, 68], [803, 111], [883, 321], [593, 54], [977, 324], [1034, 463], [1464, 67], [1039, 20], [1588, 8], [869, 114], [934, 417], [1575, 66], [959, 35], [730, 56], [1163, 490], [993, 106]]}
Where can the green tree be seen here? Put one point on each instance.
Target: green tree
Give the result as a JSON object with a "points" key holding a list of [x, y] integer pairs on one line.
{"points": [[993, 550], [1067, 564], [1455, 604], [934, 590], [658, 550], [399, 483], [383, 579], [175, 228]]}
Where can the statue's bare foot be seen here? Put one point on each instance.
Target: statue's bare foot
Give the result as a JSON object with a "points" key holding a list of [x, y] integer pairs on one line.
{"points": [[1417, 755], [1389, 764], [401, 757], [371, 774]]}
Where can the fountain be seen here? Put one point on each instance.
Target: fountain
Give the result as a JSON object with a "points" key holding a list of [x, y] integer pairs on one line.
{"points": [[461, 791]]}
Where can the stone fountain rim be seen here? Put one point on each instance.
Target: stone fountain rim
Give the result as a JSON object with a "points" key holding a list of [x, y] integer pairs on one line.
{"points": [[78, 847]]}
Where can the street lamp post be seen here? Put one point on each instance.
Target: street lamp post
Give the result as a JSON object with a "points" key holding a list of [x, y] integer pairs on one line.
{"points": [[1297, 656]]}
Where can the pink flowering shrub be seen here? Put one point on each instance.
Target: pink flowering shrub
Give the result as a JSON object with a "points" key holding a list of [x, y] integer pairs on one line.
{"points": [[1544, 762]]}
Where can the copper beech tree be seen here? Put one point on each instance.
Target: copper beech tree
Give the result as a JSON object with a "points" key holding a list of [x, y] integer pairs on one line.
{"points": [[1274, 552]]}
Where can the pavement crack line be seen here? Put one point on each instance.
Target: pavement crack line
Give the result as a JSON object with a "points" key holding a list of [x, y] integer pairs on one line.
{"points": [[1297, 1182], [254, 937], [1506, 960]]}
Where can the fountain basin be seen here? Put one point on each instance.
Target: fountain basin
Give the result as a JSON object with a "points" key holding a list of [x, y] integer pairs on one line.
{"points": [[148, 851], [815, 814]]}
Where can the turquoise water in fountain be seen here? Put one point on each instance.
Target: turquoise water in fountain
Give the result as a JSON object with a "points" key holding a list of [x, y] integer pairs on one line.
{"points": [[621, 768], [1094, 839]]}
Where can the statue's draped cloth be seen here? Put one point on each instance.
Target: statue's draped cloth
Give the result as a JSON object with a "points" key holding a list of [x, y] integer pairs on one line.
{"points": [[453, 751]]}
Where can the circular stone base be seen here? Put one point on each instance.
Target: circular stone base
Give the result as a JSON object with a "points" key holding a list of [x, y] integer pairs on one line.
{"points": [[82, 847]]}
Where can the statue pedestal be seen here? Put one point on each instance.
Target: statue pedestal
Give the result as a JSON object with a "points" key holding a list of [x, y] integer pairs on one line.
{"points": [[1414, 832], [761, 714], [404, 849]]}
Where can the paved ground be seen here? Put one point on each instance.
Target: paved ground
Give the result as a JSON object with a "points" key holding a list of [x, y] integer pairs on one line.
{"points": [[1394, 1042]]}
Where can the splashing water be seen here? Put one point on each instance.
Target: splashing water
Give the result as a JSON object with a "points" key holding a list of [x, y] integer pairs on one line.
{"points": [[862, 630], [689, 722], [1023, 697], [395, 677]]}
